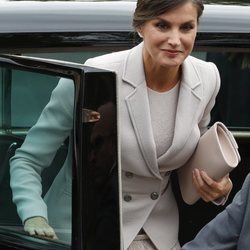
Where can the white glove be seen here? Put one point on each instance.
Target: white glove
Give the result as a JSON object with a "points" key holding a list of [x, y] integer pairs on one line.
{"points": [[40, 227]]}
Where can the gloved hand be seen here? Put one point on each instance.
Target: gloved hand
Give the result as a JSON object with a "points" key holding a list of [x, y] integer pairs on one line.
{"points": [[40, 227]]}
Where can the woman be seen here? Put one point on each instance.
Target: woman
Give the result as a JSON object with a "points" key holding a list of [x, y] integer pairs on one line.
{"points": [[165, 99], [165, 103]]}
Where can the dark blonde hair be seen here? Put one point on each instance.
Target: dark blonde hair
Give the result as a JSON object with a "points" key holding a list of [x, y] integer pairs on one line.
{"points": [[149, 9]]}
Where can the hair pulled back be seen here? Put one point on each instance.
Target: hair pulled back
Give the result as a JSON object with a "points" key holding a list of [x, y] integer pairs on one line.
{"points": [[149, 9]]}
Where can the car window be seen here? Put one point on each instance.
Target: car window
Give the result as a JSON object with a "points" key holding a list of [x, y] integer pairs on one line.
{"points": [[77, 57], [233, 101], [200, 54], [34, 106], [232, 105], [235, 74]]}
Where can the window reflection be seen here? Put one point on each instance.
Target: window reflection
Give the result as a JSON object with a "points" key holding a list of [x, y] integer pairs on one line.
{"points": [[103, 146], [101, 196], [103, 175]]}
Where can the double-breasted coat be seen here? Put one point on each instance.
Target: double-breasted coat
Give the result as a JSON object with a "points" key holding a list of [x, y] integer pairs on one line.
{"points": [[147, 199]]}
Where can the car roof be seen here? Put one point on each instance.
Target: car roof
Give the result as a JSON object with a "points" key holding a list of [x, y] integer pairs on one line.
{"points": [[64, 16]]}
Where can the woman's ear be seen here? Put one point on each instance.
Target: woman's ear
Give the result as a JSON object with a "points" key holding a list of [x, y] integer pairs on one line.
{"points": [[139, 32]]}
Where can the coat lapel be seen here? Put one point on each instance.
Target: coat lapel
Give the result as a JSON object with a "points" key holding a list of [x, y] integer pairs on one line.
{"points": [[137, 103], [138, 107], [189, 99]]}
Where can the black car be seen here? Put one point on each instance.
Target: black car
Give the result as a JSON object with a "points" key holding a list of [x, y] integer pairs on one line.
{"points": [[42, 42]]}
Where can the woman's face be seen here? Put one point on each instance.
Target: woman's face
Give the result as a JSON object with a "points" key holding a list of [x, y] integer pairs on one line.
{"points": [[170, 37]]}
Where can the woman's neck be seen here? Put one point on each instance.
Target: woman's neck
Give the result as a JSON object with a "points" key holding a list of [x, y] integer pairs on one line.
{"points": [[162, 79]]}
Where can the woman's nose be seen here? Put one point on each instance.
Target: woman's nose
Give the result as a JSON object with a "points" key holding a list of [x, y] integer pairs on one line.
{"points": [[174, 38]]}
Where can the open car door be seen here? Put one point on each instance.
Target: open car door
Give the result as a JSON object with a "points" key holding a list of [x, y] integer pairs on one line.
{"points": [[82, 104]]}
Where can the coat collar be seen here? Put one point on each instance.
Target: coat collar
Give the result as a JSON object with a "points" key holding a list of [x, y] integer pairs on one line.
{"points": [[138, 107], [133, 72]]}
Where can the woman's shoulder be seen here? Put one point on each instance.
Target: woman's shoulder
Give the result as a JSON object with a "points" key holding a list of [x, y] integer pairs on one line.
{"points": [[203, 67], [207, 73]]}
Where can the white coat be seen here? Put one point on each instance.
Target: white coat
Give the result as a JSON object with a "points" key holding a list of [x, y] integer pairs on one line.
{"points": [[148, 200]]}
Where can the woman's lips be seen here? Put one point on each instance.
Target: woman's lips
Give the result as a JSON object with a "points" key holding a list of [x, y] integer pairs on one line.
{"points": [[171, 52]]}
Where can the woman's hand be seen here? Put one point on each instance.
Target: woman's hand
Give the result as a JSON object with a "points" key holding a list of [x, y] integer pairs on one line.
{"points": [[209, 189], [40, 227]]}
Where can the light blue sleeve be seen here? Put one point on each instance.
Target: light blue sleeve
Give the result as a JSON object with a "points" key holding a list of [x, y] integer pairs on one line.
{"points": [[38, 150]]}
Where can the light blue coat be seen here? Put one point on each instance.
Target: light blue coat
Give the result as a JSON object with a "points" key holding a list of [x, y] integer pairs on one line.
{"points": [[229, 230]]}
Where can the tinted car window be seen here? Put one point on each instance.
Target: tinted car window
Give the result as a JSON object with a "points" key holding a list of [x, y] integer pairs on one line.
{"points": [[77, 56], [235, 74], [233, 102], [26, 94]]}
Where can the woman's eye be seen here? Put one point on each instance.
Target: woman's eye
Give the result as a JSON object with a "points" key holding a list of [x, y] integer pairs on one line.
{"points": [[187, 27], [161, 25]]}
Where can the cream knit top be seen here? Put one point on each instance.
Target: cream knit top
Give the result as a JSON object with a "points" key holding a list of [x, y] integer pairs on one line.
{"points": [[163, 107]]}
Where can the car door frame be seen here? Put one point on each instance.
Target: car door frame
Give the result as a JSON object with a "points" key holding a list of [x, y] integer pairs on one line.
{"points": [[77, 72]]}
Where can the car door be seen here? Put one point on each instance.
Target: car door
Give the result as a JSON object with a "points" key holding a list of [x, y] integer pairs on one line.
{"points": [[71, 133]]}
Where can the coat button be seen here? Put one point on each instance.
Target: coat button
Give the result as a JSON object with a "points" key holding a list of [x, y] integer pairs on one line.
{"points": [[127, 197], [154, 196], [129, 175]]}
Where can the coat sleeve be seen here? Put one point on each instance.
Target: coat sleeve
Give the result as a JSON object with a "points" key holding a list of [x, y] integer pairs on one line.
{"points": [[38, 150], [214, 79], [223, 232]]}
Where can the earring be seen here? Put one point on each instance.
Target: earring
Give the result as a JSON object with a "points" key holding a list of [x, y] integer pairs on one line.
{"points": [[139, 34]]}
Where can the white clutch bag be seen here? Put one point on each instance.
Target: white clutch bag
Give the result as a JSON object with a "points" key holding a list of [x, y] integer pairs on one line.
{"points": [[216, 153]]}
